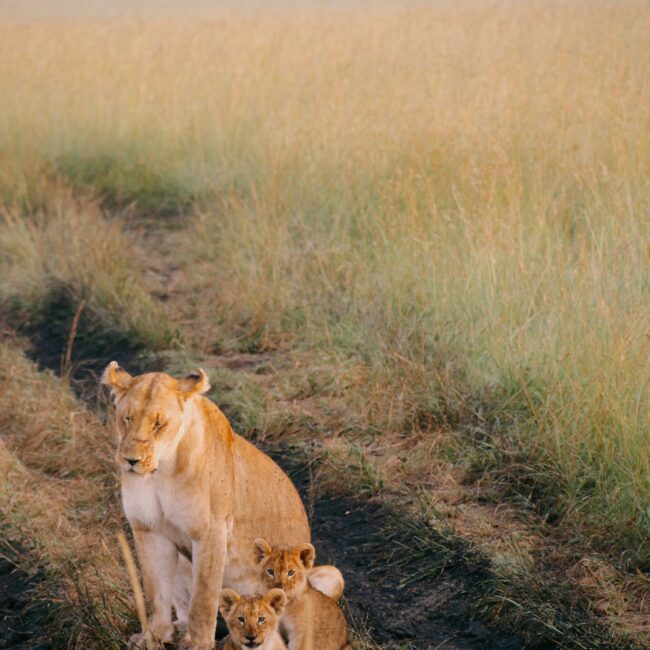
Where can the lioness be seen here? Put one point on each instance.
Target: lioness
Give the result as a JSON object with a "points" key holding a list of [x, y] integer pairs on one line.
{"points": [[253, 621], [192, 488], [311, 621]]}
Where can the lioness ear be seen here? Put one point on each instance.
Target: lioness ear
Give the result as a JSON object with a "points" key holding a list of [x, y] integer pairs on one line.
{"points": [[195, 384], [307, 555], [117, 379], [261, 549], [277, 600], [227, 600]]}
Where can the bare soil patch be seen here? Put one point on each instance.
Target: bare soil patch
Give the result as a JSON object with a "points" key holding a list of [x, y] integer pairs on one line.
{"points": [[26, 621], [405, 594]]}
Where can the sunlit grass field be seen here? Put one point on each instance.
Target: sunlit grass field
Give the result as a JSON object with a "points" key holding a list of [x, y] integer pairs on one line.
{"points": [[452, 197]]}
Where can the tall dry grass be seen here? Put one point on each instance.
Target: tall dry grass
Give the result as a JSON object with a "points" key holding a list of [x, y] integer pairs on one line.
{"points": [[64, 256], [52, 515], [434, 191]]}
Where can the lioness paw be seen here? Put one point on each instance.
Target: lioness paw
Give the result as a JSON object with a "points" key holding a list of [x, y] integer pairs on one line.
{"points": [[139, 642], [187, 643], [180, 628]]}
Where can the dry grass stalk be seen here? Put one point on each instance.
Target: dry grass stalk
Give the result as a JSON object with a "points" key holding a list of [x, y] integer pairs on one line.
{"points": [[66, 359], [137, 590]]}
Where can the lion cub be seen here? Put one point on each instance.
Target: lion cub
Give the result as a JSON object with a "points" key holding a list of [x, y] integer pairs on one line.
{"points": [[253, 621], [311, 620]]}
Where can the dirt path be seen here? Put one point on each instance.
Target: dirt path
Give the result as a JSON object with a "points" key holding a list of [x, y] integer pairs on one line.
{"points": [[400, 605], [24, 620]]}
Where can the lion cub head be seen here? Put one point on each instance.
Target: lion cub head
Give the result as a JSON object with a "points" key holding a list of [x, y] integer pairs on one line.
{"points": [[252, 620], [284, 567], [150, 410]]}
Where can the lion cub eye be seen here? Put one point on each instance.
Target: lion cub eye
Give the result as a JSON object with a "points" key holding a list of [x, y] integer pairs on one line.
{"points": [[271, 572], [127, 419], [157, 424], [291, 573], [261, 619], [241, 620]]}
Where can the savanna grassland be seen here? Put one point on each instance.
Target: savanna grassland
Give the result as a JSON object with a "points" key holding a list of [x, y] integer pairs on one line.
{"points": [[408, 242]]}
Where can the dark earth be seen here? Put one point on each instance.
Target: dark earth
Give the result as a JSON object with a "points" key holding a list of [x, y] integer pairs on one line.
{"points": [[364, 539], [24, 618]]}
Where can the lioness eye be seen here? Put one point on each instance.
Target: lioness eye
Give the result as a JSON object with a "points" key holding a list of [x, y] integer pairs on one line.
{"points": [[127, 419], [157, 424], [271, 572], [261, 619], [241, 620], [291, 573]]}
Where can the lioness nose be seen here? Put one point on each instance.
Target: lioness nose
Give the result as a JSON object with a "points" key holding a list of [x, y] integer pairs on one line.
{"points": [[132, 461]]}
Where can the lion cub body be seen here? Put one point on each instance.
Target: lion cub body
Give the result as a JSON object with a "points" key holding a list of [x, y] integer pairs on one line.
{"points": [[252, 621], [311, 619]]}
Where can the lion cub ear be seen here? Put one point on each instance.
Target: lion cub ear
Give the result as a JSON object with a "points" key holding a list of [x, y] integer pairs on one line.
{"points": [[276, 600], [261, 550], [227, 600], [117, 379], [195, 384], [307, 555]]}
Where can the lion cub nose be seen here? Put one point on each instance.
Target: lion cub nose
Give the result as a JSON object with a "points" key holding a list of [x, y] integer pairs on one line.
{"points": [[132, 461]]}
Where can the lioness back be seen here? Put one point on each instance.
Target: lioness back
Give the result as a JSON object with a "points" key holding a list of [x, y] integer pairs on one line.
{"points": [[265, 503]]}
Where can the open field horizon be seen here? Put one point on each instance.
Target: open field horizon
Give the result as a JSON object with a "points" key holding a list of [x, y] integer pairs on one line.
{"points": [[427, 222]]}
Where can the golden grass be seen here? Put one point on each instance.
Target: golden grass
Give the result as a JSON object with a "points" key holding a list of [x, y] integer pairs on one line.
{"points": [[49, 445], [441, 185], [66, 254], [452, 197]]}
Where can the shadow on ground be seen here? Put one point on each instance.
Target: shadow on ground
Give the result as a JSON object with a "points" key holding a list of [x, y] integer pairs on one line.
{"points": [[421, 599], [26, 621], [81, 351]]}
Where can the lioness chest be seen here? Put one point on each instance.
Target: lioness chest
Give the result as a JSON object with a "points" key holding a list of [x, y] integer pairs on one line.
{"points": [[161, 506]]}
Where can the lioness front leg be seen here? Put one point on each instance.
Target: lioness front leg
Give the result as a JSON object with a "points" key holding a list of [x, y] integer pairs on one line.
{"points": [[208, 563], [157, 557]]}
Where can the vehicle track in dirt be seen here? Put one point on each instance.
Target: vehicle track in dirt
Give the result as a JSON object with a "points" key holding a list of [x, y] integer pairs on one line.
{"points": [[385, 590], [25, 619]]}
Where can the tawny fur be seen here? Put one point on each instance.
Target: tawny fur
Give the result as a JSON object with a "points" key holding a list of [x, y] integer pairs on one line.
{"points": [[193, 489], [311, 620], [328, 580], [253, 621]]}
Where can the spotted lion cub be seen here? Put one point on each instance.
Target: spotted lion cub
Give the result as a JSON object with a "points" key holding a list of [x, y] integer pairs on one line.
{"points": [[253, 621], [311, 621]]}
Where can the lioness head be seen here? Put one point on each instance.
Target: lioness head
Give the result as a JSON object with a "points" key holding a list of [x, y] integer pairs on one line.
{"points": [[149, 411], [284, 567], [251, 620]]}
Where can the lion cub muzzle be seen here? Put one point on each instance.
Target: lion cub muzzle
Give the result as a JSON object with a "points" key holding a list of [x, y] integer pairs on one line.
{"points": [[253, 621]]}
